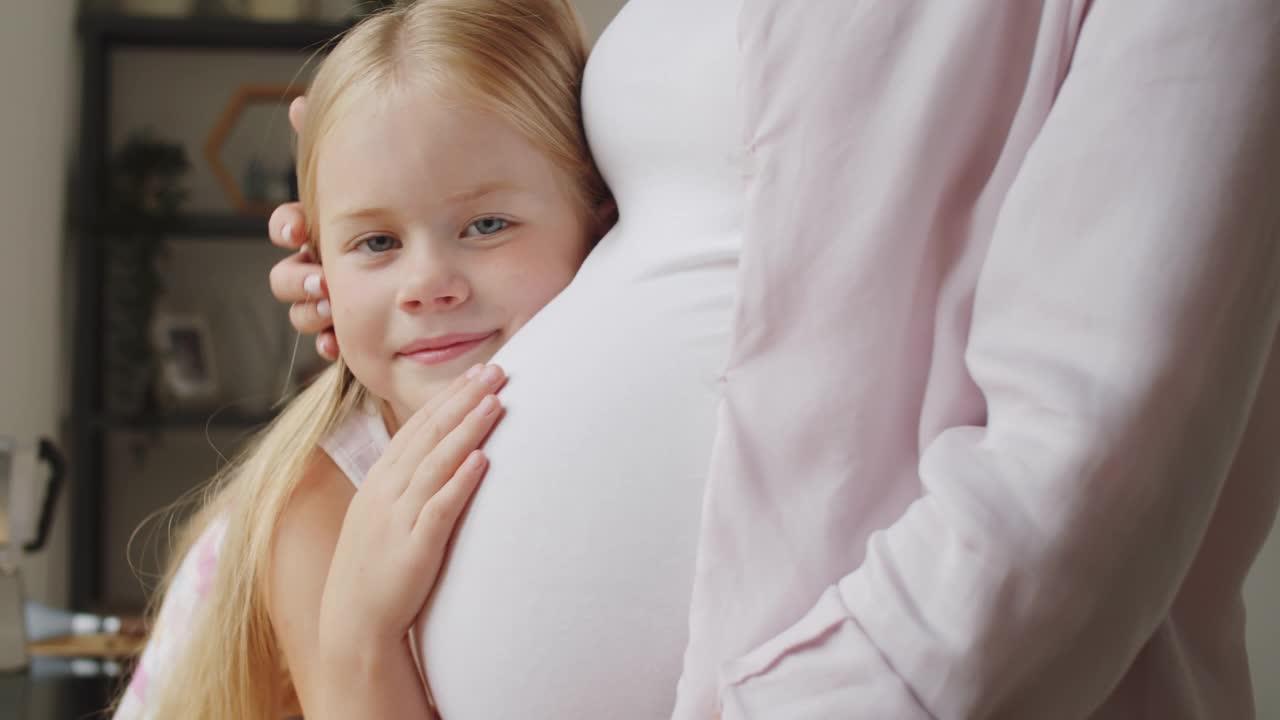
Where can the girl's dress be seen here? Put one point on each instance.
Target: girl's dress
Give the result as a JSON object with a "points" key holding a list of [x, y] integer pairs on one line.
{"points": [[354, 445]]}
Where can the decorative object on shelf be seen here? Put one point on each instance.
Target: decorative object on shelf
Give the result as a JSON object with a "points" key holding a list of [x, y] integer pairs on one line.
{"points": [[188, 374], [240, 195], [143, 200], [291, 180], [268, 186], [255, 182], [168, 8]]}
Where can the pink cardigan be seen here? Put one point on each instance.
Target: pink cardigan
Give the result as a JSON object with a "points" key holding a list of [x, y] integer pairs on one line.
{"points": [[1001, 415]]}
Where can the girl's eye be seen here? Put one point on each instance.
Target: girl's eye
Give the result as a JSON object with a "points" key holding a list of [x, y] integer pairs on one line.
{"points": [[379, 243], [487, 226]]}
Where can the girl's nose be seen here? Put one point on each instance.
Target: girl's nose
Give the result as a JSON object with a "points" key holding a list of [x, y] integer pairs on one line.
{"points": [[432, 282]]}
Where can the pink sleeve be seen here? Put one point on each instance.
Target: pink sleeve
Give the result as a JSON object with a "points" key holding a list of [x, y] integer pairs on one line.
{"points": [[1121, 325], [172, 625]]}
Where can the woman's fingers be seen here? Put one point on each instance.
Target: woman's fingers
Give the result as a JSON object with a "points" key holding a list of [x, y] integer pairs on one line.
{"points": [[327, 345], [298, 112], [287, 226], [298, 278], [310, 317]]}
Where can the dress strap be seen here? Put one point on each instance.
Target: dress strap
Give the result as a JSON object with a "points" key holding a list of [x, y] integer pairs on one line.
{"points": [[357, 443]]}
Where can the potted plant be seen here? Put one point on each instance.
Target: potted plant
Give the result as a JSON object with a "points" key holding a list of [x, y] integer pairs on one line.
{"points": [[145, 196]]}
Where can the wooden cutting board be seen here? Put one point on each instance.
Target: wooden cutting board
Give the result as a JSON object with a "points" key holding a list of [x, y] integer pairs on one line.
{"points": [[112, 646]]}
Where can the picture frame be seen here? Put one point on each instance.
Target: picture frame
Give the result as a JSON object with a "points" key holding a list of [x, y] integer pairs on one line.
{"points": [[184, 344]]}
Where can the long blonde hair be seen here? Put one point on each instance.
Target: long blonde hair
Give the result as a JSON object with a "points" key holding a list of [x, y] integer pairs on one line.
{"points": [[519, 59]]}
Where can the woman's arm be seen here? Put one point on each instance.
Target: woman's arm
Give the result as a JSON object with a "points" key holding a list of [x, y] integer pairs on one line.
{"points": [[1123, 318]]}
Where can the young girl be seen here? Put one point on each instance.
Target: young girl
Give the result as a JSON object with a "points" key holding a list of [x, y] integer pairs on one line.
{"points": [[450, 195]]}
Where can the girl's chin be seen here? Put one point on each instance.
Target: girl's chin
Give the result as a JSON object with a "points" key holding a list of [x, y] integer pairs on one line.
{"points": [[402, 405]]}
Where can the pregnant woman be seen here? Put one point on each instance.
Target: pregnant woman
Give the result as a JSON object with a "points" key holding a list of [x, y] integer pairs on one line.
{"points": [[996, 415]]}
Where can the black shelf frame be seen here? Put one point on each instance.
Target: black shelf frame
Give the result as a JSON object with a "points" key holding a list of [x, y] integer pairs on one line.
{"points": [[228, 33], [204, 225], [101, 34]]}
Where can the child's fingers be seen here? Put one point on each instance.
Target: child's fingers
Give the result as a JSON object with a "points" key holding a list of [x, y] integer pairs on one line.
{"points": [[426, 430], [407, 434], [443, 462], [440, 514]]}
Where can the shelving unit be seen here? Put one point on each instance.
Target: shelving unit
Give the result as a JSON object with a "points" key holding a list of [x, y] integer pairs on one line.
{"points": [[201, 225], [91, 423]]}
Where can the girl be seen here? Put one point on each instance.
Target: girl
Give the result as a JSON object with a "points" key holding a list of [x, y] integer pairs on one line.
{"points": [[472, 106]]}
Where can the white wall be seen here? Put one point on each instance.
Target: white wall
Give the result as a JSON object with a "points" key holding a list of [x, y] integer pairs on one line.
{"points": [[36, 126]]}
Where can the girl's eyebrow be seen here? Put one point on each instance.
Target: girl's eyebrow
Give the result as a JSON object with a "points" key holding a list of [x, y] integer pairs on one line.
{"points": [[480, 191], [360, 213]]}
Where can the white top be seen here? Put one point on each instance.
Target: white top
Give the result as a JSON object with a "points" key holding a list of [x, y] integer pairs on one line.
{"points": [[567, 591], [357, 443]]}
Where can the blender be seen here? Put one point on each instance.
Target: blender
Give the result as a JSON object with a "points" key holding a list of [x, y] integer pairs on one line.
{"points": [[24, 528]]}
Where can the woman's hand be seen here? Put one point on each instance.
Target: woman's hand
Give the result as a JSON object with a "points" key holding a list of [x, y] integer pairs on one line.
{"points": [[395, 531], [298, 279]]}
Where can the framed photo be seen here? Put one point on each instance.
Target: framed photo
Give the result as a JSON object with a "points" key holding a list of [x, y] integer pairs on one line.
{"points": [[185, 347]]}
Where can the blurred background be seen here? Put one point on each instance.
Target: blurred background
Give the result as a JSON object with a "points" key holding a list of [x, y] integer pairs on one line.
{"points": [[141, 134]]}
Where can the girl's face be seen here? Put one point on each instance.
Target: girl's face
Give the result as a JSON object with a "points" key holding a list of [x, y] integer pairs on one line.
{"points": [[442, 231]]}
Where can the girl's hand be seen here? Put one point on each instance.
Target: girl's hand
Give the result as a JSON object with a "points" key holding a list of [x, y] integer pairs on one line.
{"points": [[298, 279], [395, 531]]}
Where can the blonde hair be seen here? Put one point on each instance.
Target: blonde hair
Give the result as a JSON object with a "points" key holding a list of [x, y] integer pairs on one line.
{"points": [[521, 60]]}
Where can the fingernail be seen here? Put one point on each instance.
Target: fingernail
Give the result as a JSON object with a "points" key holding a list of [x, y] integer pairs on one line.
{"points": [[491, 375], [474, 371], [312, 285], [322, 308], [474, 461], [487, 406], [287, 231]]}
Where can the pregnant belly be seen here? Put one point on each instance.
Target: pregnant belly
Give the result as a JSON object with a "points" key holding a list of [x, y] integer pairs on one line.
{"points": [[566, 594]]}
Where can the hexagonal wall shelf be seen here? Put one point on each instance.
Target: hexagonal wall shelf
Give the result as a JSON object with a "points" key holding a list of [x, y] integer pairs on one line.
{"points": [[243, 98]]}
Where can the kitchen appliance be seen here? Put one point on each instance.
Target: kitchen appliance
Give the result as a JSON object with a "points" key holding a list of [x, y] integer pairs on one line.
{"points": [[25, 518]]}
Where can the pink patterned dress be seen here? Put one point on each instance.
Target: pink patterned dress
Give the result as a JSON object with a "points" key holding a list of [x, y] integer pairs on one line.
{"points": [[354, 447]]}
